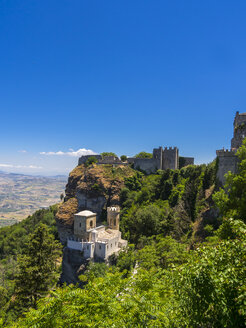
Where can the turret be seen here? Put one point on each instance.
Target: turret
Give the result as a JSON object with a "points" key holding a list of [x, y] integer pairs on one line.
{"points": [[113, 217]]}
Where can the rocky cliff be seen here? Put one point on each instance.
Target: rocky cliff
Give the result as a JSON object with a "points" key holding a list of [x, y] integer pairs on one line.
{"points": [[93, 188]]}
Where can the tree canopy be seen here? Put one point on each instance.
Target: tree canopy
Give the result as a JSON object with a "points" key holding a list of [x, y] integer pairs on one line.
{"points": [[144, 154]]}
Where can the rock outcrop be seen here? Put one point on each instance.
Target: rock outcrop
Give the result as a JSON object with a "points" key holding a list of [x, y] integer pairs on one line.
{"points": [[73, 265], [92, 188]]}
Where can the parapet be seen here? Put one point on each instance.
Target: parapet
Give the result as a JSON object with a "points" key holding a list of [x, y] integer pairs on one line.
{"points": [[84, 158], [114, 208], [225, 152], [170, 148]]}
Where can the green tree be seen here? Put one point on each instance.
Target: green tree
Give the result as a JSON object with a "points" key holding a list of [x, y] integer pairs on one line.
{"points": [[143, 154], [108, 153], [210, 287], [91, 160], [37, 268], [123, 158]]}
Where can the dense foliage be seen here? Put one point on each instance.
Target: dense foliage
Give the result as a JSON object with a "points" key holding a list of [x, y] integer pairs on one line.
{"points": [[109, 153], [167, 203], [144, 154], [184, 266], [208, 290], [15, 243]]}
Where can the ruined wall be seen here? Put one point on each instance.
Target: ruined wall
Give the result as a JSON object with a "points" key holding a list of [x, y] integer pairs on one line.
{"points": [[188, 161], [84, 158], [228, 161], [170, 158], [149, 165]]}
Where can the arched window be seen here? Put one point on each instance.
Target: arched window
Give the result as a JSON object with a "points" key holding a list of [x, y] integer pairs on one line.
{"points": [[114, 222], [91, 223]]}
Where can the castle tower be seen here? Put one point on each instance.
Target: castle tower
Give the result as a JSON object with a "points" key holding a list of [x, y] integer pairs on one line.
{"points": [[157, 155], [113, 217], [84, 223], [239, 132], [228, 161], [170, 158]]}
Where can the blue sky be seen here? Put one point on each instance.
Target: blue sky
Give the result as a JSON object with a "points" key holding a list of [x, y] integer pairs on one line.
{"points": [[122, 76]]}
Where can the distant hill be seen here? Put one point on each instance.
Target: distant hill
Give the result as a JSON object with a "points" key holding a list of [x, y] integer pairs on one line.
{"points": [[21, 195]]}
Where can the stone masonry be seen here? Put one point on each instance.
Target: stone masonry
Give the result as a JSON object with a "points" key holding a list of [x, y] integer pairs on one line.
{"points": [[228, 161]]}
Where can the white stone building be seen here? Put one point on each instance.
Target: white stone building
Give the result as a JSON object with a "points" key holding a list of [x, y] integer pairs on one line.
{"points": [[97, 242]]}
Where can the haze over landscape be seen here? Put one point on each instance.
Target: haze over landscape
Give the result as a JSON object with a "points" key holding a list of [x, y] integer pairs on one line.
{"points": [[115, 76]]}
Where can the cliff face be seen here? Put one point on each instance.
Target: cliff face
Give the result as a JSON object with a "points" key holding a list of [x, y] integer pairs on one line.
{"points": [[93, 188]]}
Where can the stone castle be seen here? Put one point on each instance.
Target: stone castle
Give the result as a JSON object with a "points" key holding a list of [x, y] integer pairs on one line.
{"points": [[228, 161], [97, 242], [162, 159]]}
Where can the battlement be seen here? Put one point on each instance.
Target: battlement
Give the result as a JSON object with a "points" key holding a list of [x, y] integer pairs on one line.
{"points": [[115, 208], [225, 152], [170, 148]]}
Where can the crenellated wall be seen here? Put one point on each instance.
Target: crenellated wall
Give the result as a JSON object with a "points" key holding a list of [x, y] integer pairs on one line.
{"points": [[170, 157]]}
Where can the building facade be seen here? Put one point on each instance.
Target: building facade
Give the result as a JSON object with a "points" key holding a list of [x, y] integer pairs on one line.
{"points": [[97, 242]]}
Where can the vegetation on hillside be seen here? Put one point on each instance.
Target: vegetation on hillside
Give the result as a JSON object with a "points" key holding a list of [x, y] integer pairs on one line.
{"points": [[184, 265], [17, 259], [207, 290], [168, 203]]}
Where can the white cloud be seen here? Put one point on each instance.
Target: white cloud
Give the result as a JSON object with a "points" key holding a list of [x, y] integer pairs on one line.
{"points": [[71, 152], [22, 151], [20, 166]]}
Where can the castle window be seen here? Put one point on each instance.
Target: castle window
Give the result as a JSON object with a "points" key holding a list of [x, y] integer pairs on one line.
{"points": [[115, 222], [80, 224], [111, 245], [91, 223]]}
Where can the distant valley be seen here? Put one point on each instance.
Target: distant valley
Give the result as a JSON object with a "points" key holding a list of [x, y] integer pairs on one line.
{"points": [[21, 195]]}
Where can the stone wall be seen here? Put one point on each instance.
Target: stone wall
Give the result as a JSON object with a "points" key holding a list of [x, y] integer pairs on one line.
{"points": [[84, 158], [188, 161], [149, 165], [228, 161]]}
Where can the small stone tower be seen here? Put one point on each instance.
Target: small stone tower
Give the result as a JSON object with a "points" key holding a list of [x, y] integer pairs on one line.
{"points": [[113, 217], [228, 161], [170, 159]]}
